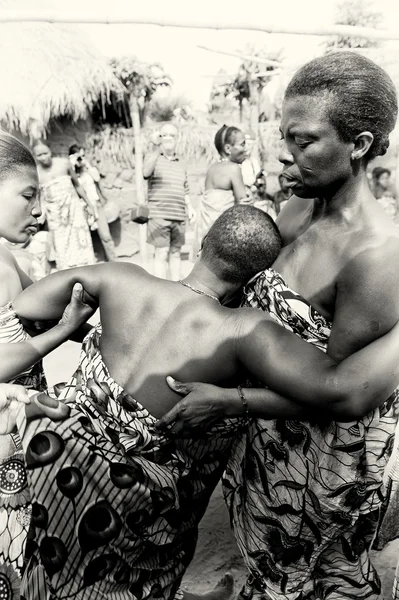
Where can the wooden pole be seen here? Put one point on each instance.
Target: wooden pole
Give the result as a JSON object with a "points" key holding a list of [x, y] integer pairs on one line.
{"points": [[266, 74], [138, 172], [254, 106], [256, 24], [244, 57]]}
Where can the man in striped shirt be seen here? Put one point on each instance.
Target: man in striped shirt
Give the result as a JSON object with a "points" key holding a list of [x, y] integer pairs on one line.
{"points": [[169, 204]]}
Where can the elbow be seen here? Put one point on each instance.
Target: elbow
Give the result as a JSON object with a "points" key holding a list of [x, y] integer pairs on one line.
{"points": [[349, 407]]}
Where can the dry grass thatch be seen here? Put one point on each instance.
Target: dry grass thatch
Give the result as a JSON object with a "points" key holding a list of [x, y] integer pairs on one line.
{"points": [[48, 71]]}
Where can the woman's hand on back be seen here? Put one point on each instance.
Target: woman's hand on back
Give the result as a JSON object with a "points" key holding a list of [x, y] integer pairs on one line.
{"points": [[202, 407], [79, 310]]}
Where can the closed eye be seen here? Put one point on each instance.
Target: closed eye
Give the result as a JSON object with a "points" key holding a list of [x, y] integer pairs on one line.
{"points": [[302, 145]]}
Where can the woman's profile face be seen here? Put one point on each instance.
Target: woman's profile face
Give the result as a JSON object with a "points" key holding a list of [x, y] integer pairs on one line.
{"points": [[383, 180], [19, 205], [316, 161], [238, 148]]}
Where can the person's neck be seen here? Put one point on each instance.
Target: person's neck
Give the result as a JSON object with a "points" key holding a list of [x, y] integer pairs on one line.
{"points": [[346, 202], [203, 279], [168, 153]]}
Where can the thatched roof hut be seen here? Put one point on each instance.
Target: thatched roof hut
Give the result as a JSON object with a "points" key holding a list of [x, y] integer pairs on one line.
{"points": [[49, 71]]}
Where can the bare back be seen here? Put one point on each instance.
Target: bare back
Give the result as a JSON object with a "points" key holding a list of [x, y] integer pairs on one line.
{"points": [[226, 175], [153, 328]]}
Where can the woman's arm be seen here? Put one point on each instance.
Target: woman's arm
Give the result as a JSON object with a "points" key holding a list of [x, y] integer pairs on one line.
{"points": [[305, 382], [46, 299], [16, 358], [303, 373], [237, 184]]}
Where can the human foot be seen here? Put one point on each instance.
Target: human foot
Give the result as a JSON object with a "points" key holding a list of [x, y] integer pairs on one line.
{"points": [[223, 590]]}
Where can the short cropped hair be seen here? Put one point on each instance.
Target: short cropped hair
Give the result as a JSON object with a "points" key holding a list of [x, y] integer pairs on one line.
{"points": [[242, 241], [360, 96], [378, 171], [14, 155], [74, 149]]}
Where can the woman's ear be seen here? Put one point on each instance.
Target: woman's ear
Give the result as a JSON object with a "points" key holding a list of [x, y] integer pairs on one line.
{"points": [[227, 149], [362, 144]]}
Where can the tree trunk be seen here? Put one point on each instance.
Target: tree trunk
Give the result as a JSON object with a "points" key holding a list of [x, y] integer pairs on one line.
{"points": [[138, 172], [254, 105]]}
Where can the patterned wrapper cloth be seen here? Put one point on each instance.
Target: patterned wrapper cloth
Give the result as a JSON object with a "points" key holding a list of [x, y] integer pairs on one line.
{"points": [[67, 222], [304, 498], [116, 505], [15, 504]]}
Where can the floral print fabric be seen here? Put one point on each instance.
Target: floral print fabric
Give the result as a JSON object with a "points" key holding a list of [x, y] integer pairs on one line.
{"points": [[304, 498], [15, 505]]}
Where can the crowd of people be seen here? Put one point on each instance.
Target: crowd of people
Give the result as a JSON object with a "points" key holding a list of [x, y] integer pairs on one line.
{"points": [[73, 205], [273, 366]]}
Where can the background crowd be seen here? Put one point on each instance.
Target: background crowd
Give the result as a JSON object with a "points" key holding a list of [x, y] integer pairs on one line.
{"points": [[75, 225]]}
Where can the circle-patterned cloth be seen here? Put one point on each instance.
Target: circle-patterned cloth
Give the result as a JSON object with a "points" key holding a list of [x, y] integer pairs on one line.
{"points": [[12, 477]]}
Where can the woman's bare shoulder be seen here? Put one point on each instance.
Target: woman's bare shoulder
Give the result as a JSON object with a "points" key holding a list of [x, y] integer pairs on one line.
{"points": [[9, 277], [6, 257]]}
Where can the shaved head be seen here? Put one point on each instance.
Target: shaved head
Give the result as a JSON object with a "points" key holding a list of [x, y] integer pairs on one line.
{"points": [[242, 241]]}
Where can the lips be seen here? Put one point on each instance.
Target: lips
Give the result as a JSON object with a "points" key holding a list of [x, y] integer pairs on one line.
{"points": [[291, 183], [290, 180]]}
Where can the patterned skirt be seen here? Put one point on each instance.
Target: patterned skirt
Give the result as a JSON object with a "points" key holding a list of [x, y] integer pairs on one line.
{"points": [[304, 498], [116, 505]]}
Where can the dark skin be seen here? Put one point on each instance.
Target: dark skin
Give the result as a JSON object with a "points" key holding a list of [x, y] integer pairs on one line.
{"points": [[153, 327], [340, 249]]}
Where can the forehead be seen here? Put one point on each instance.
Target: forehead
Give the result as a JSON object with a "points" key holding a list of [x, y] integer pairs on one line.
{"points": [[22, 177], [168, 130], [239, 137], [41, 149], [306, 112]]}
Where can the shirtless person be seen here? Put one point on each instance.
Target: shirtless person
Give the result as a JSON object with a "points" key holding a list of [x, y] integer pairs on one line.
{"points": [[224, 183], [335, 284], [60, 197], [122, 502]]}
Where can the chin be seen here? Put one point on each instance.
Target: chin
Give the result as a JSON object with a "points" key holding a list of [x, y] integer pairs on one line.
{"points": [[302, 193], [24, 236]]}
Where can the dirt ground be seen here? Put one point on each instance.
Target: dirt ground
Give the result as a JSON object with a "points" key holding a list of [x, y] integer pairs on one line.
{"points": [[217, 552]]}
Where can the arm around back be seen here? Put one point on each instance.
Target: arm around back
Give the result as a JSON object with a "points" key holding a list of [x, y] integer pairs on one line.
{"points": [[296, 369]]}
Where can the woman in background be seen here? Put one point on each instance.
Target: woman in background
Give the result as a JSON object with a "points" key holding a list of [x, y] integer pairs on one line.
{"points": [[89, 178], [224, 184], [382, 191]]}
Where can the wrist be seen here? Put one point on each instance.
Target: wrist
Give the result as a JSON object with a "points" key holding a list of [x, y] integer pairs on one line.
{"points": [[232, 403], [64, 329]]}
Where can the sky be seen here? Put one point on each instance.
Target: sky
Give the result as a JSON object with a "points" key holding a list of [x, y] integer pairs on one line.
{"points": [[193, 69]]}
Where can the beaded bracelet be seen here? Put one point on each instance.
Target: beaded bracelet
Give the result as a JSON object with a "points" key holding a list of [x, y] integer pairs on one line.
{"points": [[244, 402]]}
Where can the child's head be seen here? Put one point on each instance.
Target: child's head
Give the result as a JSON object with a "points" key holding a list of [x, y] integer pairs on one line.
{"points": [[230, 143], [243, 241], [19, 190]]}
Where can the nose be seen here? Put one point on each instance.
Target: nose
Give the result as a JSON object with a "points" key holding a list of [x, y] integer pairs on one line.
{"points": [[285, 156], [37, 209]]}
